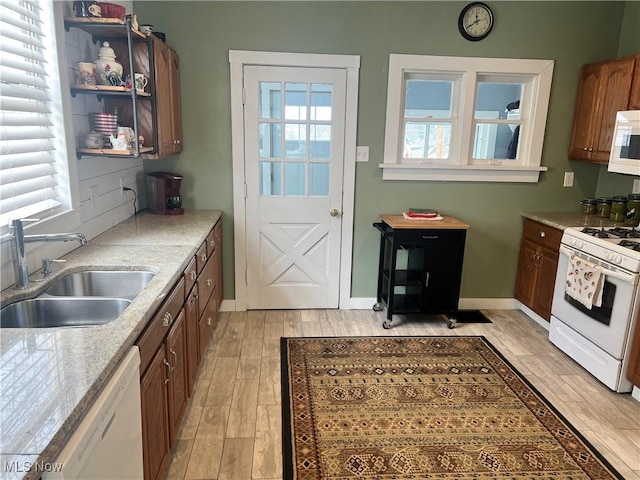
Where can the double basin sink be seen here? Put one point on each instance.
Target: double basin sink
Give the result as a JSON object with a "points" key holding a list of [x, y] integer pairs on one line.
{"points": [[90, 297]]}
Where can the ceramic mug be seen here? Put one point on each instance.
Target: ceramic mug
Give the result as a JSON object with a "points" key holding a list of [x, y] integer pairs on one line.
{"points": [[141, 81], [86, 73]]}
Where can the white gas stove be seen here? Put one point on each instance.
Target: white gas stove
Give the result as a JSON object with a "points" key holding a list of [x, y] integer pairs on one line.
{"points": [[598, 337], [617, 245]]}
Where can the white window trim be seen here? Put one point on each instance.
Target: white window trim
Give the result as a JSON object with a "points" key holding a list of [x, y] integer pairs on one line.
{"points": [[460, 168], [351, 63]]}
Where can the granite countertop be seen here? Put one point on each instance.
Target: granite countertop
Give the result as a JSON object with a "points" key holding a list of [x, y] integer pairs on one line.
{"points": [[562, 220], [49, 377]]}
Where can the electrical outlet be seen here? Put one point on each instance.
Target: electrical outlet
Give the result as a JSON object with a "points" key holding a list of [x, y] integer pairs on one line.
{"points": [[94, 196], [122, 186], [568, 179], [636, 186]]}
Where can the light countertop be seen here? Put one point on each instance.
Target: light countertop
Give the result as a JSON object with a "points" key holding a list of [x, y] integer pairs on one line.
{"points": [[49, 377], [562, 220]]}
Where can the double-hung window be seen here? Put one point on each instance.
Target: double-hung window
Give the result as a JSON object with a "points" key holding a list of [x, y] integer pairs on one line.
{"points": [[33, 167], [465, 119]]}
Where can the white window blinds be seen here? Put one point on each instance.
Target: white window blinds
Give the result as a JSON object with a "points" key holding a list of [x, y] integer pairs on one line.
{"points": [[29, 180]]}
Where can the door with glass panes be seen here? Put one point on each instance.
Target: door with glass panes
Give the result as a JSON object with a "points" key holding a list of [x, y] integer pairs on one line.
{"points": [[294, 155]]}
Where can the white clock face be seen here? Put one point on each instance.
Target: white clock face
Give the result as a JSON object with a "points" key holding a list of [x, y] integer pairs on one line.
{"points": [[476, 21]]}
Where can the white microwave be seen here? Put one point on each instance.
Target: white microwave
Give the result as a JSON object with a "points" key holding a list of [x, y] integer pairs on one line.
{"points": [[625, 147]]}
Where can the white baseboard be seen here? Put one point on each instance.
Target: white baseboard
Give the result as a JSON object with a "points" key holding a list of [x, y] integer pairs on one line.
{"points": [[533, 315], [228, 306], [464, 304]]}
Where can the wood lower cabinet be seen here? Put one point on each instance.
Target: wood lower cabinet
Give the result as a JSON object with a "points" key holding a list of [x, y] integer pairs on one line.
{"points": [[633, 370], [537, 265], [604, 89], [171, 349], [155, 411]]}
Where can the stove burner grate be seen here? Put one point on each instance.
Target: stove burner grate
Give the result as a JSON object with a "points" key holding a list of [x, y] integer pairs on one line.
{"points": [[615, 232], [630, 244], [595, 232]]}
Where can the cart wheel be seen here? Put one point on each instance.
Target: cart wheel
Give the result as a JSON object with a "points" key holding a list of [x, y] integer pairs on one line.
{"points": [[386, 324], [451, 322], [377, 307]]}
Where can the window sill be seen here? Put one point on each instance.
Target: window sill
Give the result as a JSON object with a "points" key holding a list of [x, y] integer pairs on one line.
{"points": [[461, 173]]}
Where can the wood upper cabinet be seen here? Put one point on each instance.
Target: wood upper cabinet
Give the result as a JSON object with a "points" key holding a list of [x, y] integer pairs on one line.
{"points": [[168, 103], [634, 99], [604, 89], [537, 265]]}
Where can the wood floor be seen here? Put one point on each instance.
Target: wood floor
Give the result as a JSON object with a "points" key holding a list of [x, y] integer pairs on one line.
{"points": [[232, 428]]}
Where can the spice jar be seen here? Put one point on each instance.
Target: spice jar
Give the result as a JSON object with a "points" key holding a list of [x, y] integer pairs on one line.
{"points": [[618, 209], [588, 205], [604, 207], [633, 209]]}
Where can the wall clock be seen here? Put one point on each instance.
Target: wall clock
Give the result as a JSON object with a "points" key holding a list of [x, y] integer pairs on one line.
{"points": [[475, 21]]}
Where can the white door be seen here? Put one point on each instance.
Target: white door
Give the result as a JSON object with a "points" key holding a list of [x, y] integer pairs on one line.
{"points": [[294, 125]]}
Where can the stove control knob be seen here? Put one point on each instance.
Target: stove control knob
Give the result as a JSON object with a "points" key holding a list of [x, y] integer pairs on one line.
{"points": [[579, 244]]}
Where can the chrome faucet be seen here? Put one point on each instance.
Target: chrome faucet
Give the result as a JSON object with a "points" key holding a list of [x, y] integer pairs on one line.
{"points": [[18, 251]]}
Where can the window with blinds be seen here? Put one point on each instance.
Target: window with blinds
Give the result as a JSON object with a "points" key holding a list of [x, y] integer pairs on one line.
{"points": [[32, 143]]}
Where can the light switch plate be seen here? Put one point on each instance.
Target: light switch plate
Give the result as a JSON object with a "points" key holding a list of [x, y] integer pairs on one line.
{"points": [[568, 179], [362, 154]]}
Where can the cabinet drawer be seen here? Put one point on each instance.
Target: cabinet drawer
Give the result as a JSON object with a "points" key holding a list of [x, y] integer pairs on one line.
{"points": [[201, 257], [211, 243], [541, 234], [190, 276], [159, 325]]}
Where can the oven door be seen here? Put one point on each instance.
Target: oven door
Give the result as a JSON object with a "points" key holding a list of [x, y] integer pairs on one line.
{"points": [[606, 326]]}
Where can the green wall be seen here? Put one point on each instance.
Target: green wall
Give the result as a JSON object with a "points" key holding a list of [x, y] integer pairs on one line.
{"points": [[570, 33]]}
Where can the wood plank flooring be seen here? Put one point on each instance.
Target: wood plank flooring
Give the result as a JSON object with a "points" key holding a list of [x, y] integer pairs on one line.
{"points": [[232, 428]]}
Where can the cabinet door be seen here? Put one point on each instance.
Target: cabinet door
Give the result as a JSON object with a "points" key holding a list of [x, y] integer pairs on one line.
{"points": [[545, 281], [155, 416], [634, 98], [162, 68], [191, 325], [176, 107], [633, 372], [176, 354], [527, 272], [616, 88], [584, 117], [442, 272], [207, 324], [217, 258]]}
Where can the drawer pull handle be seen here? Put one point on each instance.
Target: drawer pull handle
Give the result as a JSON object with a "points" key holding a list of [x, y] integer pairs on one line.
{"points": [[166, 319], [209, 321], [426, 280], [203, 257], [209, 282], [193, 275], [166, 380], [542, 234], [211, 244], [430, 237]]}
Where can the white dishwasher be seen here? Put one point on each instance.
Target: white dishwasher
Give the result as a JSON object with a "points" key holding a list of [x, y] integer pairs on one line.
{"points": [[108, 442]]}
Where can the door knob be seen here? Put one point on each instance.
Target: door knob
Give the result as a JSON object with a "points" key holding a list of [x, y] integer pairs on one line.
{"points": [[334, 212]]}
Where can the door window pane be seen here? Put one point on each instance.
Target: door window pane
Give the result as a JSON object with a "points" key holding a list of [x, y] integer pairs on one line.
{"points": [[295, 107], [294, 179], [427, 140], [496, 141], [270, 140], [270, 100], [295, 140], [321, 100], [270, 178], [320, 141], [319, 179], [428, 99]]}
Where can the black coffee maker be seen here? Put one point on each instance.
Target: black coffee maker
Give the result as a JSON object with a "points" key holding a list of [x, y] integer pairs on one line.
{"points": [[164, 193]]}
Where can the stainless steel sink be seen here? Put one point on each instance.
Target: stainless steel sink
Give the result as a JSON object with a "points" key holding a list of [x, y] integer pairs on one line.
{"points": [[101, 283], [45, 312]]}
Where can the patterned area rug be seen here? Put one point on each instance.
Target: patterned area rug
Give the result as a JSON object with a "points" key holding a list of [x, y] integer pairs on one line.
{"points": [[421, 407]]}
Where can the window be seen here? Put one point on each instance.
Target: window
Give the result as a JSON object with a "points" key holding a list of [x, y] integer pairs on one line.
{"points": [[465, 119], [33, 170]]}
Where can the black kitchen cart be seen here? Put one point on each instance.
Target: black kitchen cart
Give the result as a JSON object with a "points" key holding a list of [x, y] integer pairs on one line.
{"points": [[420, 266]]}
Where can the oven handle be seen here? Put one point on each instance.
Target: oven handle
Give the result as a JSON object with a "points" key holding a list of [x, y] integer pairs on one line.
{"points": [[625, 277]]}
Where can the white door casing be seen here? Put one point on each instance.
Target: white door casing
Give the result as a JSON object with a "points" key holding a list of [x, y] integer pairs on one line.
{"points": [[289, 251]]}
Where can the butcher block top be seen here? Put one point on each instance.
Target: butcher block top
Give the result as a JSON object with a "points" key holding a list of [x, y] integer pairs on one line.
{"points": [[447, 222]]}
